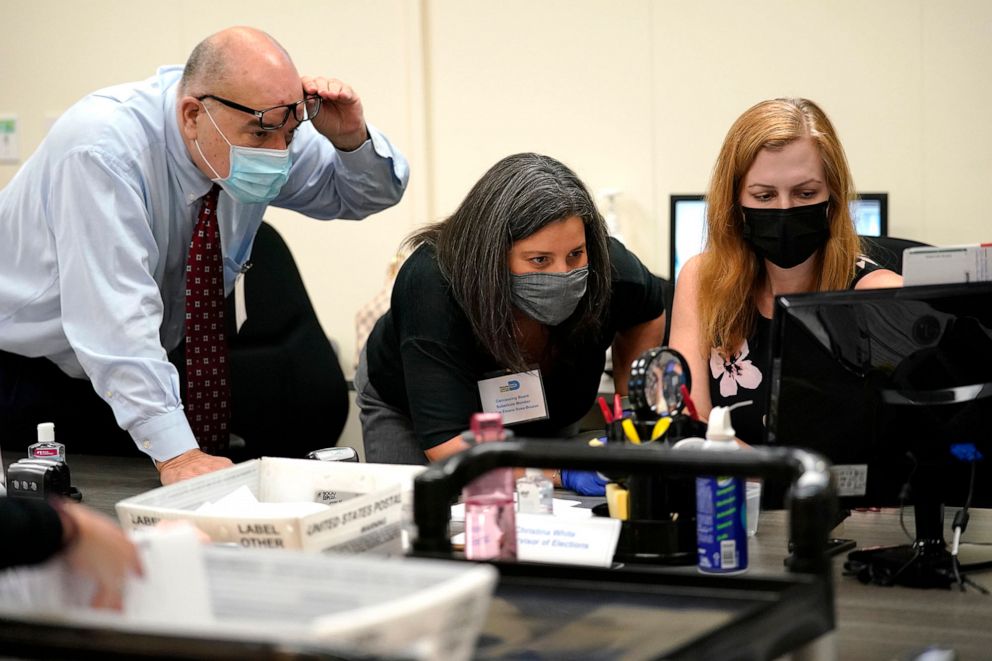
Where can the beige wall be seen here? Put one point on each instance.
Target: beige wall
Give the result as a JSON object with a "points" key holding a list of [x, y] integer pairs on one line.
{"points": [[634, 95]]}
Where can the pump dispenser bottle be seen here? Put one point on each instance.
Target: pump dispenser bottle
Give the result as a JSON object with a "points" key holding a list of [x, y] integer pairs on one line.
{"points": [[721, 519], [47, 447], [490, 519]]}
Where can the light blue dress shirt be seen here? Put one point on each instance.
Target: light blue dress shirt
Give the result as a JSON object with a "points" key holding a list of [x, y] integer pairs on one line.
{"points": [[95, 230]]}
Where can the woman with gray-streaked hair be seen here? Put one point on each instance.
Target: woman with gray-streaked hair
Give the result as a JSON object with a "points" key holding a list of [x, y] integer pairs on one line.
{"points": [[513, 299]]}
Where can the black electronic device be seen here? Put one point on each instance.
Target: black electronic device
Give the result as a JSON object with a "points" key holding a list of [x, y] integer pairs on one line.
{"points": [[893, 386], [687, 224], [39, 479]]}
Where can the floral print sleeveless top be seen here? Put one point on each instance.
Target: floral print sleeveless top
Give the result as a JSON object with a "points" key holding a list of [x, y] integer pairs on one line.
{"points": [[745, 375]]}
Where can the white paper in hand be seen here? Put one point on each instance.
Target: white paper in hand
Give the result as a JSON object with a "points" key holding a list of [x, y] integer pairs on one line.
{"points": [[173, 588]]}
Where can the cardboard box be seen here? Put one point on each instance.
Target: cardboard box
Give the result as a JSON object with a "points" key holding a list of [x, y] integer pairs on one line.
{"points": [[947, 264], [369, 505]]}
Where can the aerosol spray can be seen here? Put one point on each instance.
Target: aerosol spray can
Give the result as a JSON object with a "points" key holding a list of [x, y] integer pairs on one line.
{"points": [[721, 518]]}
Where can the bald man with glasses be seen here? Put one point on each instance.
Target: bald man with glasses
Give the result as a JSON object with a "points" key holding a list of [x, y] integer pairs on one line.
{"points": [[137, 212]]}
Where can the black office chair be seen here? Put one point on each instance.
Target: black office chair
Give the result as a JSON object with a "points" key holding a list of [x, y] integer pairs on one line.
{"points": [[288, 393], [887, 250], [669, 300]]}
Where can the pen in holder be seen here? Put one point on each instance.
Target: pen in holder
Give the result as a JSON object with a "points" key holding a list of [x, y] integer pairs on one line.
{"points": [[629, 430]]}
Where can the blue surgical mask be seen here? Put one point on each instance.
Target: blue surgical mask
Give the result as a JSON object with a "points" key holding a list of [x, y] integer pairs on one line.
{"points": [[256, 176], [550, 298]]}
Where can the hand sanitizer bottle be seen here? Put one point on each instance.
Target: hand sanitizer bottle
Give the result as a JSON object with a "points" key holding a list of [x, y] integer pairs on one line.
{"points": [[490, 519], [47, 447], [535, 493], [721, 517]]}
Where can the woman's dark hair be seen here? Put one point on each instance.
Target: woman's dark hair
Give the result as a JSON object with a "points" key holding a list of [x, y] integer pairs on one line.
{"points": [[517, 197]]}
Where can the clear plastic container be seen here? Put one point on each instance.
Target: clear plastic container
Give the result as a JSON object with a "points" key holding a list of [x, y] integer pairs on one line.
{"points": [[535, 493]]}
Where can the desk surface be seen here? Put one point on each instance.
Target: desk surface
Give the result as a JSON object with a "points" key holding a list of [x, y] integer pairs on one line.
{"points": [[873, 622]]}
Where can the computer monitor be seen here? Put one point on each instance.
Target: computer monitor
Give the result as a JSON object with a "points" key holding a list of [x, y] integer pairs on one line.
{"points": [[891, 385], [687, 230], [870, 212], [687, 224]]}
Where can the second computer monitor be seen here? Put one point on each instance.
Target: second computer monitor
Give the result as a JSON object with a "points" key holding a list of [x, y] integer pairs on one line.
{"points": [[887, 384], [688, 224]]}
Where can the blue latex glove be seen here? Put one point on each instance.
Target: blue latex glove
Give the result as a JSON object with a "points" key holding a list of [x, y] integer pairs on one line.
{"points": [[584, 483]]}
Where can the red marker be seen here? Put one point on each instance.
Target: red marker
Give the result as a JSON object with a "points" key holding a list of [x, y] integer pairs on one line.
{"points": [[688, 402], [607, 416], [617, 407]]}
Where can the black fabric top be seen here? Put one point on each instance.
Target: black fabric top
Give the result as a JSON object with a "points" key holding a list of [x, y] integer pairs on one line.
{"points": [[30, 530], [742, 377], [424, 359]]}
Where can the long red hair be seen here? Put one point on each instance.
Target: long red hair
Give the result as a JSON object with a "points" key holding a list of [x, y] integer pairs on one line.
{"points": [[730, 273]]}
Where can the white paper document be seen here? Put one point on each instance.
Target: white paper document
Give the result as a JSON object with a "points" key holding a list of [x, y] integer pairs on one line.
{"points": [[569, 536], [563, 541]]}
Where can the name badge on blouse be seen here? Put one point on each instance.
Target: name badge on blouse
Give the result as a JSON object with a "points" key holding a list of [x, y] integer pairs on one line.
{"points": [[517, 397]]}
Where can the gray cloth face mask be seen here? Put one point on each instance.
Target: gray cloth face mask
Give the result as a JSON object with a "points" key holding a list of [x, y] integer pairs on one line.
{"points": [[550, 298]]}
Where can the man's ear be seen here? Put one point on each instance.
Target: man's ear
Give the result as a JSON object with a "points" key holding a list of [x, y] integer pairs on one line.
{"points": [[189, 110]]}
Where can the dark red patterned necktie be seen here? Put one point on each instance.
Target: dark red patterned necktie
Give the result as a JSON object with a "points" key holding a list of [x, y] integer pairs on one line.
{"points": [[208, 393]]}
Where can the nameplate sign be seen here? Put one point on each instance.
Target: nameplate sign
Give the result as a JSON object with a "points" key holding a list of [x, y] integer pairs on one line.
{"points": [[517, 397], [567, 541]]}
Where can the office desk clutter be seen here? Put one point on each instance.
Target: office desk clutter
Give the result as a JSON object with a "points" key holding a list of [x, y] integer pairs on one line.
{"points": [[658, 513], [44, 473], [652, 518], [558, 596], [901, 619]]}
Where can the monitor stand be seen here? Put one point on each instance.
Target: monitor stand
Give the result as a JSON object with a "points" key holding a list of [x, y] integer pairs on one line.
{"points": [[835, 545], [926, 563]]}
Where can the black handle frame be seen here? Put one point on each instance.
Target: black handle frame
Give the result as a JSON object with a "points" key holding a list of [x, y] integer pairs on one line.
{"points": [[811, 498]]}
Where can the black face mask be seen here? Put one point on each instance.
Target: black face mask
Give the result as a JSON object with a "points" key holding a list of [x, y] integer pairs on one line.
{"points": [[787, 237]]}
